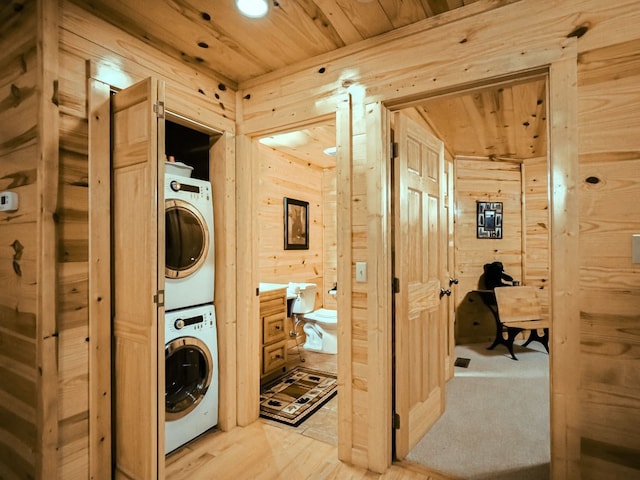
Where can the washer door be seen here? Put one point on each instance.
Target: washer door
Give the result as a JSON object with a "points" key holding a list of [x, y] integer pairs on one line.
{"points": [[186, 239], [188, 373]]}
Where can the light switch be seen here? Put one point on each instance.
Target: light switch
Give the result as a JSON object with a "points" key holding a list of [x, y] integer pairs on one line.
{"points": [[361, 271], [635, 248]]}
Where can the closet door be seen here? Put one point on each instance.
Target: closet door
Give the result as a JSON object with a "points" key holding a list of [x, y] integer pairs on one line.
{"points": [[138, 273]]}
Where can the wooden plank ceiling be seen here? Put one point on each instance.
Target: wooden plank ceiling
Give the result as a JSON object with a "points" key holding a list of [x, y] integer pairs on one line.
{"points": [[502, 122], [213, 35]]}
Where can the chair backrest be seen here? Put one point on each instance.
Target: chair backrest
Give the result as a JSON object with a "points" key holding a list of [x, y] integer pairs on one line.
{"points": [[517, 304]]}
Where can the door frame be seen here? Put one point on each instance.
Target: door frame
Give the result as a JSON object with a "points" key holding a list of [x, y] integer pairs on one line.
{"points": [[248, 331], [562, 154]]}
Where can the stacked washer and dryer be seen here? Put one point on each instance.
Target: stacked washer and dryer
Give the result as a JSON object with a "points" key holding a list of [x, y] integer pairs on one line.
{"points": [[191, 345]]}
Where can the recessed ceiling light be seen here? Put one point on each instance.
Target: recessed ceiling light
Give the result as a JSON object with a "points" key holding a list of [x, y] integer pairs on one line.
{"points": [[253, 8], [331, 151]]}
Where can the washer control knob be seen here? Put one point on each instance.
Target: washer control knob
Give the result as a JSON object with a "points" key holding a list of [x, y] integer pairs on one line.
{"points": [[175, 185], [179, 324]]}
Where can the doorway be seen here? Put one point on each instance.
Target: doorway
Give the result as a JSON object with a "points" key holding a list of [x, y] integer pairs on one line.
{"points": [[299, 167], [503, 128]]}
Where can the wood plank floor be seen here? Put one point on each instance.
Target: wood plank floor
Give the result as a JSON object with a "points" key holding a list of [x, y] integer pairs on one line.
{"points": [[269, 450], [262, 451], [272, 451]]}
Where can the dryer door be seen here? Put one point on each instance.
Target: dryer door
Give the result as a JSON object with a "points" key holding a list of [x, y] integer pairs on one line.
{"points": [[188, 373], [187, 239]]}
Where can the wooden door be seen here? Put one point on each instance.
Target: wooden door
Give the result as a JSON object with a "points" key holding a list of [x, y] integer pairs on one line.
{"points": [[138, 270], [419, 263]]}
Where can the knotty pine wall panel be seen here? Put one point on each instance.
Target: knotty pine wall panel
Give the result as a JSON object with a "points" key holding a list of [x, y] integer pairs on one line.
{"points": [[609, 191], [536, 239], [73, 267], [485, 181], [359, 315], [19, 247], [282, 175]]}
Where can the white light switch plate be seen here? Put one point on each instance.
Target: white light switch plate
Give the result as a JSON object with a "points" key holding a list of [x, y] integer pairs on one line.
{"points": [[361, 271], [635, 248]]}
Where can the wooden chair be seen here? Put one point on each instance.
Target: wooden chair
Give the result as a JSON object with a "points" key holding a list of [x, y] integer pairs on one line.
{"points": [[519, 310]]}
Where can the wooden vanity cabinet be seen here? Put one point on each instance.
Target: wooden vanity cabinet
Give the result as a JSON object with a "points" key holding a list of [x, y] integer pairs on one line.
{"points": [[273, 315]]}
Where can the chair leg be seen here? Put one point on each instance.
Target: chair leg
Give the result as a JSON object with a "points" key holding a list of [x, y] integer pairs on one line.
{"points": [[499, 339], [512, 333], [534, 337]]}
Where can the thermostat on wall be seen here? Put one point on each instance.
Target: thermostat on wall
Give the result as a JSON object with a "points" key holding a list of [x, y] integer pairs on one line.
{"points": [[8, 201]]}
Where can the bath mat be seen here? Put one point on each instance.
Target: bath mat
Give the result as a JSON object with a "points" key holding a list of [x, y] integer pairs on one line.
{"points": [[297, 395]]}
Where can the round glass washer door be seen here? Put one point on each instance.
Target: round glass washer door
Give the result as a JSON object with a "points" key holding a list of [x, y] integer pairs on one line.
{"points": [[186, 239], [188, 373]]}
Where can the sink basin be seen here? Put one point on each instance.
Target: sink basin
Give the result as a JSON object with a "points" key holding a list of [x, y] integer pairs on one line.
{"points": [[267, 287]]}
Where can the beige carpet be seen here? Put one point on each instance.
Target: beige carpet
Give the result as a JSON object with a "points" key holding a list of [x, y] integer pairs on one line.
{"points": [[496, 422]]}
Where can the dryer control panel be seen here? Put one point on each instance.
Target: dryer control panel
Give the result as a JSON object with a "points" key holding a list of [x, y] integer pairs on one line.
{"points": [[191, 323], [187, 187]]}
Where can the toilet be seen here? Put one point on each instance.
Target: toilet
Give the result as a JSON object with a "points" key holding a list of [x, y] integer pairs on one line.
{"points": [[320, 326], [321, 329]]}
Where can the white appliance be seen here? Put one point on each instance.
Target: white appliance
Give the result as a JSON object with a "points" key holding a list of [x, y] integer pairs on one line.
{"points": [[189, 257], [191, 374]]}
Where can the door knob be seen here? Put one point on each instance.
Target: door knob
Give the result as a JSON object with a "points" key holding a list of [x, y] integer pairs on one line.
{"points": [[453, 281], [444, 292]]}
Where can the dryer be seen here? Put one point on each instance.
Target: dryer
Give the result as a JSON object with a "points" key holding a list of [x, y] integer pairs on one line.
{"points": [[191, 374], [189, 245]]}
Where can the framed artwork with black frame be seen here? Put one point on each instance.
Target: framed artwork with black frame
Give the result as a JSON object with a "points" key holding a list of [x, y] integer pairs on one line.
{"points": [[296, 224], [489, 220]]}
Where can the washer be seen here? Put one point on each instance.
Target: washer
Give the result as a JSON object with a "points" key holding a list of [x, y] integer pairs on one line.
{"points": [[189, 257], [191, 374]]}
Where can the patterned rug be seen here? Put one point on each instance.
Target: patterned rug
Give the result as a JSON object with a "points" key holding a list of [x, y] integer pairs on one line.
{"points": [[297, 395]]}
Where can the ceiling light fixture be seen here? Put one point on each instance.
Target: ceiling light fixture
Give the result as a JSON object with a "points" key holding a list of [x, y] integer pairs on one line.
{"points": [[253, 8], [331, 151]]}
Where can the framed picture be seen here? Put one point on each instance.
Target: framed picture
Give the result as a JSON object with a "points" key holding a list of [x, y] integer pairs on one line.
{"points": [[296, 224], [489, 220]]}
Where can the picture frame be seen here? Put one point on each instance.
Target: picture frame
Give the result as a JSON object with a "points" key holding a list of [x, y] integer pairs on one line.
{"points": [[296, 224], [489, 220]]}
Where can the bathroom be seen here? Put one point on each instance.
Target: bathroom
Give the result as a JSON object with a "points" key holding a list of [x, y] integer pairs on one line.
{"points": [[294, 165]]}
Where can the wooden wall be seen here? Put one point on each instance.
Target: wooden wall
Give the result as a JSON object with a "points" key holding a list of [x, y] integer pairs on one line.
{"points": [[590, 428], [536, 239], [280, 176], [283, 175], [52, 425], [19, 240], [484, 181], [609, 193], [524, 248]]}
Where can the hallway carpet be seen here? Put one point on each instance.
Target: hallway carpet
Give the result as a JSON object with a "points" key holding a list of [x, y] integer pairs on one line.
{"points": [[496, 422]]}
